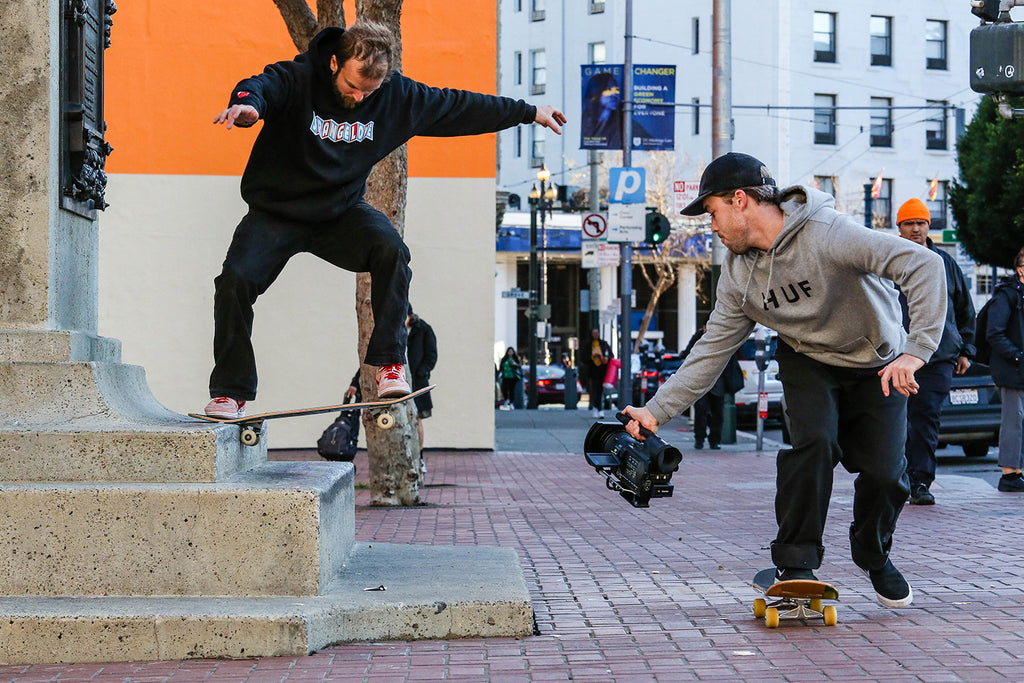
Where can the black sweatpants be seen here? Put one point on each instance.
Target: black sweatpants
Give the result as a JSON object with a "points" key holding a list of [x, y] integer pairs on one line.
{"points": [[923, 410], [838, 415], [361, 240]]}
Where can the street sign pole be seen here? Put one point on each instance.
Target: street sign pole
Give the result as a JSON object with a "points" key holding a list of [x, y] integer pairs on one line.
{"points": [[626, 275]]}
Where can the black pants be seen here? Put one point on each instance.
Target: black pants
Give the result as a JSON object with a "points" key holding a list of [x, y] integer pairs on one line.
{"points": [[838, 415], [360, 240], [707, 419], [595, 385], [923, 410]]}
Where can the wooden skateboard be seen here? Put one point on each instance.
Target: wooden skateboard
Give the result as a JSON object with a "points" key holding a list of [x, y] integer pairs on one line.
{"points": [[793, 600], [251, 424]]}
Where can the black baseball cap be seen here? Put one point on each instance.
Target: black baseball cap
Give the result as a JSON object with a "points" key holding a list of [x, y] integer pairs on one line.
{"points": [[728, 172]]}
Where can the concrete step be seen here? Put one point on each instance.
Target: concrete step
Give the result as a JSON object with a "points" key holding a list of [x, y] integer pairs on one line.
{"points": [[283, 528], [431, 592]]}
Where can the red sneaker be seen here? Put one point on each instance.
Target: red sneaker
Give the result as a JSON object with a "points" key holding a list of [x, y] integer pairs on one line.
{"points": [[227, 408], [391, 382]]}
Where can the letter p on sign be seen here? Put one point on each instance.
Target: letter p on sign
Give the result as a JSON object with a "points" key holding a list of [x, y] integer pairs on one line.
{"points": [[627, 186]]}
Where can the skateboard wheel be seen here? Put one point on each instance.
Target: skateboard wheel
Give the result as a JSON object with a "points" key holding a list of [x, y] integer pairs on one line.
{"points": [[831, 615], [385, 421], [759, 608], [771, 617], [249, 436], [816, 604]]}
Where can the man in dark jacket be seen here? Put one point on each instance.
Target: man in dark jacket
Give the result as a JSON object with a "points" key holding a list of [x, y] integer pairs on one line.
{"points": [[956, 349], [1005, 332], [596, 365], [422, 347], [328, 116]]}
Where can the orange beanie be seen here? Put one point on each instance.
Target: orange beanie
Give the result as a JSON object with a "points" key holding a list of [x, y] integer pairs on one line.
{"points": [[913, 210]]}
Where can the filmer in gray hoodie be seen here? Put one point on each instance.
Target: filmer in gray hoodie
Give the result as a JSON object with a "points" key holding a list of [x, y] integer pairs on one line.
{"points": [[827, 285]]}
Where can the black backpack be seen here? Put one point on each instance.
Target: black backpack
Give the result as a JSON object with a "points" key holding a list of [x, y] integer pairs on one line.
{"points": [[983, 351], [339, 442]]}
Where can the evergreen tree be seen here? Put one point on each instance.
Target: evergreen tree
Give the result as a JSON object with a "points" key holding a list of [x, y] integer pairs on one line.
{"points": [[988, 199]]}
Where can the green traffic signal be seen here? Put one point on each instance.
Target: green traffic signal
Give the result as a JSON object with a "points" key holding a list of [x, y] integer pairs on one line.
{"points": [[658, 228]]}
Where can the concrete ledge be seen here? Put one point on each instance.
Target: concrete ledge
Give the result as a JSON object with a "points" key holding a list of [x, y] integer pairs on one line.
{"points": [[432, 592], [57, 346], [281, 529]]}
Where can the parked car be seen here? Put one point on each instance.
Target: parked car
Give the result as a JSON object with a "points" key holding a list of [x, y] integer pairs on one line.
{"points": [[971, 412], [747, 397], [550, 384], [970, 415]]}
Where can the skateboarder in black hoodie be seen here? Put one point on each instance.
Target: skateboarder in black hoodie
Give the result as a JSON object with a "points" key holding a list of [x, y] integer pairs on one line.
{"points": [[328, 116]]}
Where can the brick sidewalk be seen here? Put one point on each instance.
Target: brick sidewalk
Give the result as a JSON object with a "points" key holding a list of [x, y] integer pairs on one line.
{"points": [[663, 593]]}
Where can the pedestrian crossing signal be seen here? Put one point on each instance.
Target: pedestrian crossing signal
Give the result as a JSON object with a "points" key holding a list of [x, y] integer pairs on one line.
{"points": [[658, 228]]}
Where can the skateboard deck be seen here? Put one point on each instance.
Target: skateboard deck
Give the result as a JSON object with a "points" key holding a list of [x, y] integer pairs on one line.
{"points": [[251, 424], [793, 600]]}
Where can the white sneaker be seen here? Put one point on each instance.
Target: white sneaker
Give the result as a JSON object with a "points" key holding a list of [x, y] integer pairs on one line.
{"points": [[226, 408], [391, 382]]}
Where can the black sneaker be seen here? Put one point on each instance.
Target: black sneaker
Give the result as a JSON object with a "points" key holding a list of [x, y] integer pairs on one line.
{"points": [[698, 445], [920, 495], [793, 574], [890, 586], [1011, 483]]}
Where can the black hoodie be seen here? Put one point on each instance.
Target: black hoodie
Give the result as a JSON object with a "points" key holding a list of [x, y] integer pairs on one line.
{"points": [[311, 159]]}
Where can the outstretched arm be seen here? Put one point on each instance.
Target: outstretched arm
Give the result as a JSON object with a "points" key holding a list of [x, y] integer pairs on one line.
{"points": [[549, 117], [242, 114]]}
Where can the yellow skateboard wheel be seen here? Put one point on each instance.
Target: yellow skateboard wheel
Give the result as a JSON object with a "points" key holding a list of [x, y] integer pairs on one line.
{"points": [[831, 615], [816, 604], [249, 436], [771, 617], [385, 421], [759, 608]]}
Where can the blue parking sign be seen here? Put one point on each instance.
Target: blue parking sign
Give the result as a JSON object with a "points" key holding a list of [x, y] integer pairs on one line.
{"points": [[627, 186]]}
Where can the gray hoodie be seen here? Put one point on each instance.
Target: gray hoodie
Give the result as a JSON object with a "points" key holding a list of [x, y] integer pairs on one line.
{"points": [[826, 286]]}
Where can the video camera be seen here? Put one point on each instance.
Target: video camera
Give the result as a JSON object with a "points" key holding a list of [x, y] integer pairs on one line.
{"points": [[638, 470]]}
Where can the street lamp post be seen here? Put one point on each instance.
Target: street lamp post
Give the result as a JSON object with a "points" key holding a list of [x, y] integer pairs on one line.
{"points": [[531, 381], [545, 199]]}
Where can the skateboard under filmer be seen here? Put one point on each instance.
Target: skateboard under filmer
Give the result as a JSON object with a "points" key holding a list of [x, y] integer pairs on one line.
{"points": [[793, 600], [251, 424]]}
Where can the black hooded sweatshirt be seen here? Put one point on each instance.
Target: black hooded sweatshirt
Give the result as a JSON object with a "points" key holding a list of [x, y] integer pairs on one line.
{"points": [[311, 159]]}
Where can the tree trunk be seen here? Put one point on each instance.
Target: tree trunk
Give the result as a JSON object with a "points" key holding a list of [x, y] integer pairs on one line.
{"points": [[393, 453]]}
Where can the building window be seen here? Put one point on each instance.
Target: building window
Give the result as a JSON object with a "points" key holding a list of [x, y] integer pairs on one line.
{"points": [[517, 142], [984, 282], [536, 147], [824, 119], [824, 36], [596, 6], [881, 41], [538, 72], [881, 122], [519, 5], [695, 103], [537, 10], [597, 53], [935, 125], [825, 183], [881, 206], [935, 44], [938, 204], [517, 68], [695, 35]]}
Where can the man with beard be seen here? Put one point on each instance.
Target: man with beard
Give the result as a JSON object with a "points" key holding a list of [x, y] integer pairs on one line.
{"points": [[825, 284], [328, 116]]}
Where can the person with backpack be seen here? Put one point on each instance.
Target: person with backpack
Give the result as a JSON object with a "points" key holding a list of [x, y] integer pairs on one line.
{"points": [[956, 349], [1004, 332]]}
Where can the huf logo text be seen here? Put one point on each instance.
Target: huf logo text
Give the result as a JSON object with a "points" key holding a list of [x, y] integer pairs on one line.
{"points": [[790, 294], [341, 132]]}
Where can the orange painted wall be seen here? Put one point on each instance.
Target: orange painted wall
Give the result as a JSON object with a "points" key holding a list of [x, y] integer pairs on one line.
{"points": [[171, 66]]}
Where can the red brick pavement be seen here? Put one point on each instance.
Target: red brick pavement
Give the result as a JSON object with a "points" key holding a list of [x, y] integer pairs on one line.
{"points": [[662, 594]]}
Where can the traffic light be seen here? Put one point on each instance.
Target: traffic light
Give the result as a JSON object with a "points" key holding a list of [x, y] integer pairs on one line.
{"points": [[657, 228], [997, 58], [986, 9]]}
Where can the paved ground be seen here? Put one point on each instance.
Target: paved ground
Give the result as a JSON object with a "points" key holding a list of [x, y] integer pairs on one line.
{"points": [[662, 593]]}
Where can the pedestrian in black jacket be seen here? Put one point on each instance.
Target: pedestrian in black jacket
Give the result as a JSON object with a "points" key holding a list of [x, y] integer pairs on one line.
{"points": [[954, 354], [328, 116], [422, 347], [1005, 333]]}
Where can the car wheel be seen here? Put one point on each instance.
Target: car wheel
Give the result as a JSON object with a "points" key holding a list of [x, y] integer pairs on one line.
{"points": [[976, 449]]}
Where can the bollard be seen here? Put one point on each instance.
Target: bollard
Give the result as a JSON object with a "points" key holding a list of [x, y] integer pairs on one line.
{"points": [[729, 419], [519, 396], [571, 397]]}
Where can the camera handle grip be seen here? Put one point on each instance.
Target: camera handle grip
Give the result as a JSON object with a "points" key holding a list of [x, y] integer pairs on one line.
{"points": [[624, 419]]}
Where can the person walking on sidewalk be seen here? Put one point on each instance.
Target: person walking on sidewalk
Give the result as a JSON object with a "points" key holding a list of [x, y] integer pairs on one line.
{"points": [[422, 347], [1005, 333], [510, 371], [596, 364], [954, 355], [825, 284], [328, 116]]}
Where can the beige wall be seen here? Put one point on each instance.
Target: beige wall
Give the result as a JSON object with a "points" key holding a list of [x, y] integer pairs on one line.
{"points": [[162, 241]]}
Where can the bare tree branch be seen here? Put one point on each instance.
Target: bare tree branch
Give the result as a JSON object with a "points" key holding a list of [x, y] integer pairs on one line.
{"points": [[299, 20], [329, 13]]}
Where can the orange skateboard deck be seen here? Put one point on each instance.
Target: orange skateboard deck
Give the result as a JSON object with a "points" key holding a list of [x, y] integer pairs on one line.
{"points": [[793, 600], [251, 424]]}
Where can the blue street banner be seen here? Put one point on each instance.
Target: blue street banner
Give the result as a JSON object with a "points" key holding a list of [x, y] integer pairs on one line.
{"points": [[654, 93], [601, 118]]}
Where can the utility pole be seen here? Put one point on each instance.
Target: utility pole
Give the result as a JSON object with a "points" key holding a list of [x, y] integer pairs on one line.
{"points": [[626, 274]]}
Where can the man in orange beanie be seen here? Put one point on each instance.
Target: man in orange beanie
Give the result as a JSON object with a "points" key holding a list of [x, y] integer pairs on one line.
{"points": [[956, 348]]}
